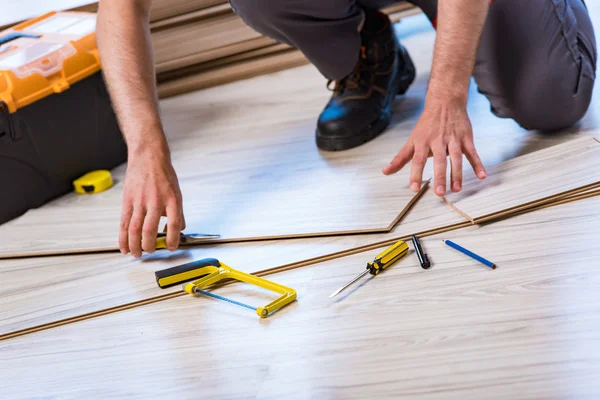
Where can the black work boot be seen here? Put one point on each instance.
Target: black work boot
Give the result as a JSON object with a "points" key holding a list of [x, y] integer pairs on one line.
{"points": [[361, 105]]}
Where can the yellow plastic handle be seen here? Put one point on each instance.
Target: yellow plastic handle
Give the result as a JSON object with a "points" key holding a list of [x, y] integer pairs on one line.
{"points": [[215, 274]]}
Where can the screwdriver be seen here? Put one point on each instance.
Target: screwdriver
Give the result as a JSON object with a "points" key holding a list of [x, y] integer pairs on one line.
{"points": [[385, 259]]}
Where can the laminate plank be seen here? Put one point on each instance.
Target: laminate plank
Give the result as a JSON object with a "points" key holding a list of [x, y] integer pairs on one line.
{"points": [[260, 174], [277, 131], [198, 63], [167, 69], [68, 286], [14, 12], [459, 330], [529, 178], [25, 308], [195, 16], [161, 9], [280, 60], [190, 38]]}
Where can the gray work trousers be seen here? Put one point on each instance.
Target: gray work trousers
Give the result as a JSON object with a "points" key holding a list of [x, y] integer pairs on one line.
{"points": [[536, 61]]}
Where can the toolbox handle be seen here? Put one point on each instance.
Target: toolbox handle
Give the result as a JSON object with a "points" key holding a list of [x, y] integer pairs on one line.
{"points": [[16, 35]]}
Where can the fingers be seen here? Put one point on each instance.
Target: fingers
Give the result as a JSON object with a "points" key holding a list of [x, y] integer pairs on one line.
{"points": [[135, 232], [174, 226], [474, 160], [416, 170], [150, 230], [439, 171], [401, 159], [456, 163], [124, 228]]}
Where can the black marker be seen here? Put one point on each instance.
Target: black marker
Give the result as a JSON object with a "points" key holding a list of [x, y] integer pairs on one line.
{"points": [[425, 264]]}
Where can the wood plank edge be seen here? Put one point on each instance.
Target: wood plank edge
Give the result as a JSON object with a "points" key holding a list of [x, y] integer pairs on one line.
{"points": [[283, 268], [232, 73], [485, 219], [193, 16], [538, 202], [234, 56], [409, 206], [213, 54]]}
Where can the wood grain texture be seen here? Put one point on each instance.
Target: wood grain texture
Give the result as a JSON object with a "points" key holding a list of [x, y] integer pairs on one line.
{"points": [[37, 323], [76, 285], [162, 9], [259, 179], [222, 111], [189, 72], [459, 330], [14, 12], [174, 68], [530, 177], [279, 60], [278, 144], [527, 330], [190, 38]]}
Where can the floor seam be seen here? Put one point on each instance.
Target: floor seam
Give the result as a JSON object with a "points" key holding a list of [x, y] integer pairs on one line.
{"points": [[457, 210]]}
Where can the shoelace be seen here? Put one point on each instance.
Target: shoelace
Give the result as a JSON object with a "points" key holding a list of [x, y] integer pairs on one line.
{"points": [[352, 81]]}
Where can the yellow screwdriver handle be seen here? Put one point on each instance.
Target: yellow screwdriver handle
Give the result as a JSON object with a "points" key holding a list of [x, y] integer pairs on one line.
{"points": [[388, 257]]}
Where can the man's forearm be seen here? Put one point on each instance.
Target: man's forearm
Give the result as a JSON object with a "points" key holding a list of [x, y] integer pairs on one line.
{"points": [[123, 36], [459, 27]]}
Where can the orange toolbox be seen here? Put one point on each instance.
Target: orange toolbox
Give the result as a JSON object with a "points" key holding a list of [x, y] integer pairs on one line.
{"points": [[56, 118]]}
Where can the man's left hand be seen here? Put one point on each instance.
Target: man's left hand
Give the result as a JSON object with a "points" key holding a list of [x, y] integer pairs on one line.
{"points": [[443, 129]]}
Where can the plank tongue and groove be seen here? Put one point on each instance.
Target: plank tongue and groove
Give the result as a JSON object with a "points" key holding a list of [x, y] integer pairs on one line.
{"points": [[530, 178]]}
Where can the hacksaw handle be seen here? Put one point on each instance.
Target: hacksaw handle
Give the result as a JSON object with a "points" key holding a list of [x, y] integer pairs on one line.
{"points": [[185, 272], [214, 274]]}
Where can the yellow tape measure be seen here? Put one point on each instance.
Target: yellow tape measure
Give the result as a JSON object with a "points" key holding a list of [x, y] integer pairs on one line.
{"points": [[93, 182]]}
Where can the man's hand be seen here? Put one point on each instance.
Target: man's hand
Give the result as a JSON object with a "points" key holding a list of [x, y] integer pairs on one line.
{"points": [[443, 129], [151, 190]]}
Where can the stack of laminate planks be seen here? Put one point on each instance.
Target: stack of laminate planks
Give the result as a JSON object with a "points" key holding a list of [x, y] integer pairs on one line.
{"points": [[211, 45], [200, 43]]}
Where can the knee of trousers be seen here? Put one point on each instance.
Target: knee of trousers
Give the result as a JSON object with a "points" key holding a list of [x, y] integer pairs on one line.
{"points": [[551, 111]]}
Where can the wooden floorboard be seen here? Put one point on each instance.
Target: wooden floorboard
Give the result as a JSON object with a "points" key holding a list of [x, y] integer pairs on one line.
{"points": [[458, 330], [529, 329], [186, 39], [68, 286], [530, 177], [258, 174]]}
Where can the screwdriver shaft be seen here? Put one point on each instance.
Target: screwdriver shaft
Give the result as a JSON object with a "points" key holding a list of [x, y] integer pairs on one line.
{"points": [[340, 290]]}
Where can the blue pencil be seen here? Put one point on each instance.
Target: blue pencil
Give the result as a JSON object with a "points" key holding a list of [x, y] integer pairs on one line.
{"points": [[470, 254]]}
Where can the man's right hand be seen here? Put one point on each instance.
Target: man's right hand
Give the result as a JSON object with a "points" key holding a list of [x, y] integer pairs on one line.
{"points": [[151, 190]]}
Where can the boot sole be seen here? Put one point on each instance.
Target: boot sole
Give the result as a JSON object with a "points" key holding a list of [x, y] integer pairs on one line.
{"points": [[376, 127]]}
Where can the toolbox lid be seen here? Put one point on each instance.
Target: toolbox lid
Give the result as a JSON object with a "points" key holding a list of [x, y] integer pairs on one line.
{"points": [[46, 55]]}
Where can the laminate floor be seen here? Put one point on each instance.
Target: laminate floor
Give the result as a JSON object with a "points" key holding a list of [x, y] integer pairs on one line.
{"points": [[526, 330], [530, 177], [258, 174], [69, 286], [251, 146], [529, 329]]}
